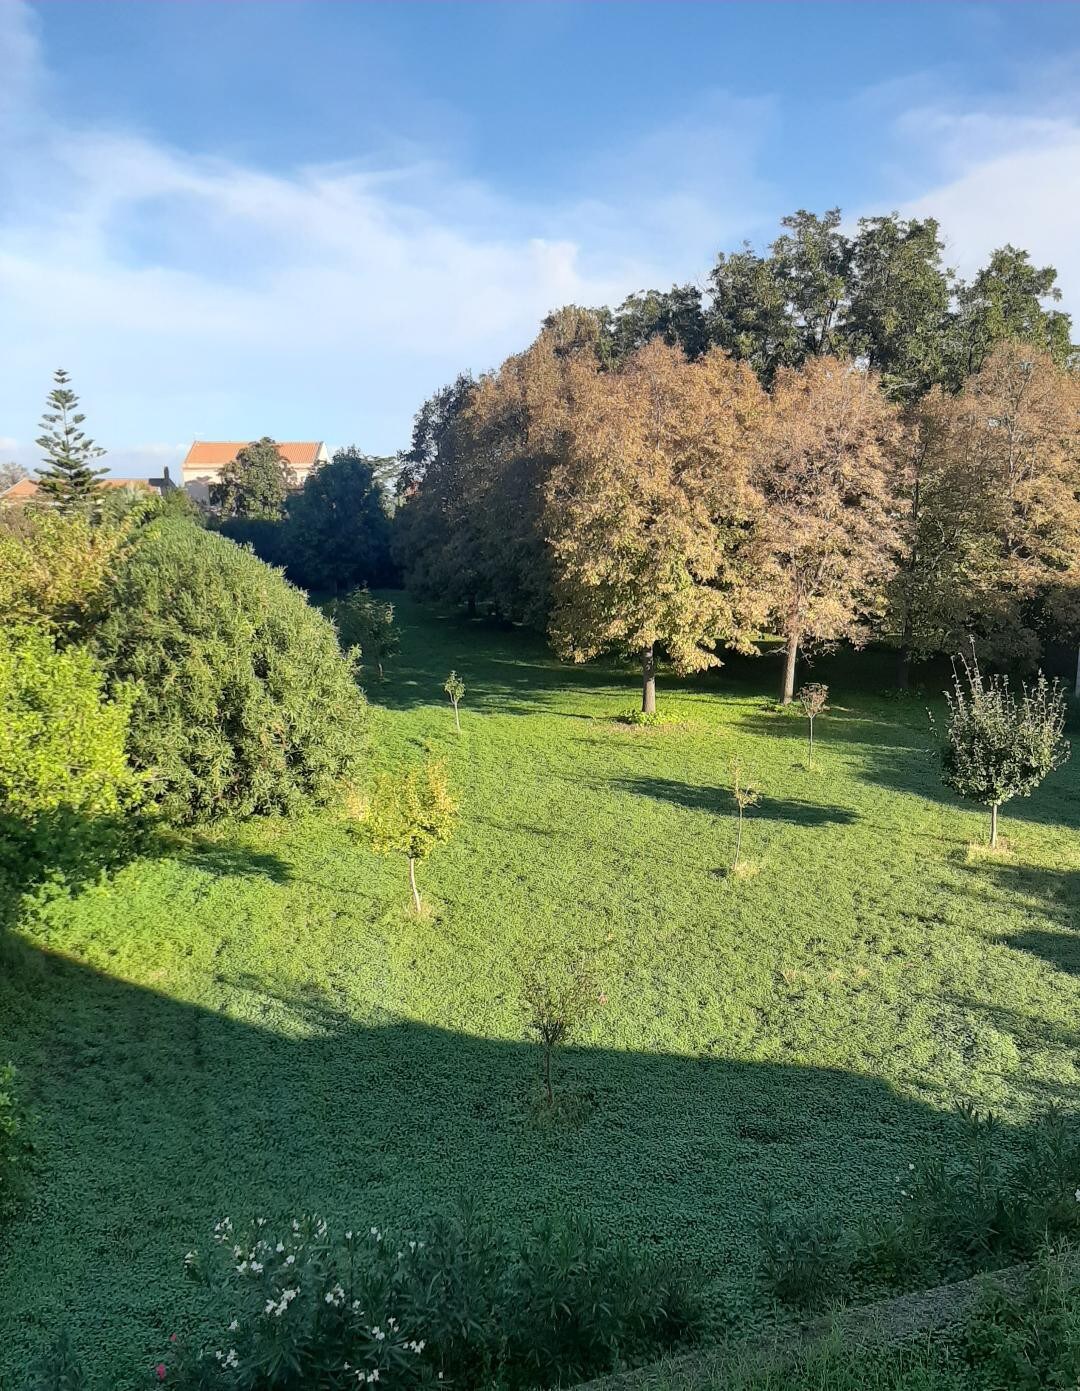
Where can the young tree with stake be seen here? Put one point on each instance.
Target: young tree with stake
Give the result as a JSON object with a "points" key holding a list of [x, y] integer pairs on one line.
{"points": [[812, 698], [1000, 745], [411, 814], [745, 796], [455, 689]]}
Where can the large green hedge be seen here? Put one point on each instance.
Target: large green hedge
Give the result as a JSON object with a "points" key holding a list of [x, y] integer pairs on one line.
{"points": [[246, 703]]}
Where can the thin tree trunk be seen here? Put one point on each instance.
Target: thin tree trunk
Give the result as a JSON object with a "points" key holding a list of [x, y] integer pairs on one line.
{"points": [[547, 1077], [993, 826], [787, 691], [811, 763], [412, 885], [648, 681], [738, 842], [456, 720], [903, 668], [1076, 688]]}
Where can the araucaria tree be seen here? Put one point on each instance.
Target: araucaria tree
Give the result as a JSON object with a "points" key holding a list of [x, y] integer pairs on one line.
{"points": [[1000, 745], [825, 469], [255, 485], [69, 477], [410, 815], [651, 515]]}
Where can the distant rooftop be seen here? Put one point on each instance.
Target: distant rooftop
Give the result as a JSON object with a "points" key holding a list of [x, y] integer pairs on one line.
{"points": [[218, 453]]}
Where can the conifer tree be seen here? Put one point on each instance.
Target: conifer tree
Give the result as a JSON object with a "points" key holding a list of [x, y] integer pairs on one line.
{"points": [[69, 478]]}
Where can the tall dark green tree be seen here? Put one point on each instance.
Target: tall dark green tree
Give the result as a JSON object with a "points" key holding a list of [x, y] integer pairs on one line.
{"points": [[1007, 301], [338, 531], [69, 477], [675, 315], [255, 485], [899, 296]]}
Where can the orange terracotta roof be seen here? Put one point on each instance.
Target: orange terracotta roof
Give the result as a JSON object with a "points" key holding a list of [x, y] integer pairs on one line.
{"points": [[19, 492], [27, 488], [216, 453]]}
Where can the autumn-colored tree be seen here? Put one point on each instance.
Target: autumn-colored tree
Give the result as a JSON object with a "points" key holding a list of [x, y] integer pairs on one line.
{"points": [[825, 469], [651, 514]]}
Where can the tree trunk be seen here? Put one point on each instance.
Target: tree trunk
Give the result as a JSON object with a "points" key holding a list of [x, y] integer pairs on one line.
{"points": [[811, 759], [903, 668], [547, 1076], [738, 842], [648, 681], [457, 721], [412, 885], [1076, 688], [787, 691], [993, 826]]}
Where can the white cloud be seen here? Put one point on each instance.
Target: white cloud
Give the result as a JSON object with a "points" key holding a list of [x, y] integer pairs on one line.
{"points": [[190, 295]]}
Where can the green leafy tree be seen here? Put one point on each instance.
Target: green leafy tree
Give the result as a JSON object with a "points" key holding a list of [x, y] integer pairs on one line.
{"points": [[558, 999], [62, 739], [338, 530], [255, 484], [999, 745], [410, 815], [675, 316], [899, 296], [246, 704], [812, 698], [1006, 302], [69, 477], [365, 624], [455, 689]]}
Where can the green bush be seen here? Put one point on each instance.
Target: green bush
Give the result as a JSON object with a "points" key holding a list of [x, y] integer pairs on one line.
{"points": [[465, 1305], [246, 703], [366, 624], [61, 741], [992, 1202]]}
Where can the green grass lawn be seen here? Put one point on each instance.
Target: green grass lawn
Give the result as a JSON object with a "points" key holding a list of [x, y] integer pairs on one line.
{"points": [[254, 1024]]}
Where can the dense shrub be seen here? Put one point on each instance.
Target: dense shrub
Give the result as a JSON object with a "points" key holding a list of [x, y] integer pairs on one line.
{"points": [[61, 741], [989, 1204], [54, 566], [14, 1143], [467, 1305], [245, 702]]}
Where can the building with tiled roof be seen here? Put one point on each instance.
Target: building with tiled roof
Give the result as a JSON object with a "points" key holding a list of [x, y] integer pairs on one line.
{"points": [[206, 458], [19, 494]]}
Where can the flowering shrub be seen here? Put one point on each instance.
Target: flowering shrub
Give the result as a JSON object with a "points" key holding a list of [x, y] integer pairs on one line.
{"points": [[311, 1307]]}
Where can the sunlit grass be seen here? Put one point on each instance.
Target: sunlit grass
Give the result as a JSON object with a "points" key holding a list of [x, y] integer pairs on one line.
{"points": [[258, 1024]]}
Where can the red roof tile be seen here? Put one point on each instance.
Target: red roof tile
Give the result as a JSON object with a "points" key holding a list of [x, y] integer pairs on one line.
{"points": [[216, 453]]}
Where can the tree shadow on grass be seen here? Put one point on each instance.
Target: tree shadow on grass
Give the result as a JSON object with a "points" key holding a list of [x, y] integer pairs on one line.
{"points": [[718, 799], [1054, 894], [159, 1116]]}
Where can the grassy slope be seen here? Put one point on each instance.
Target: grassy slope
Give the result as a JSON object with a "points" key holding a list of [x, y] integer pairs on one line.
{"points": [[256, 1024]]}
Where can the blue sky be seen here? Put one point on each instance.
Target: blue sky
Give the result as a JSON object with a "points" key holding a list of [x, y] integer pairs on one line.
{"points": [[242, 218]]}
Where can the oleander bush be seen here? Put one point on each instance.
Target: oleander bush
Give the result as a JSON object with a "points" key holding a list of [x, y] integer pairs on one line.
{"points": [[466, 1304]]}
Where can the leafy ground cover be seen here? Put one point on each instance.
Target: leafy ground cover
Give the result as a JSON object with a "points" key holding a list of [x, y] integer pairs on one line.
{"points": [[253, 1023]]}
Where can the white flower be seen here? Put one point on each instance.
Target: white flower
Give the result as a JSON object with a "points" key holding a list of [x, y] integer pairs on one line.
{"points": [[234, 1325], [348, 1236], [279, 1247], [189, 1259], [256, 1267], [374, 1375], [289, 1260], [232, 1359], [241, 1269], [1077, 1195], [260, 1221]]}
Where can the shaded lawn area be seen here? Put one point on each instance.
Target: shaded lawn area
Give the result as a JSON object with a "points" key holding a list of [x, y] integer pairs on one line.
{"points": [[255, 1025]]}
